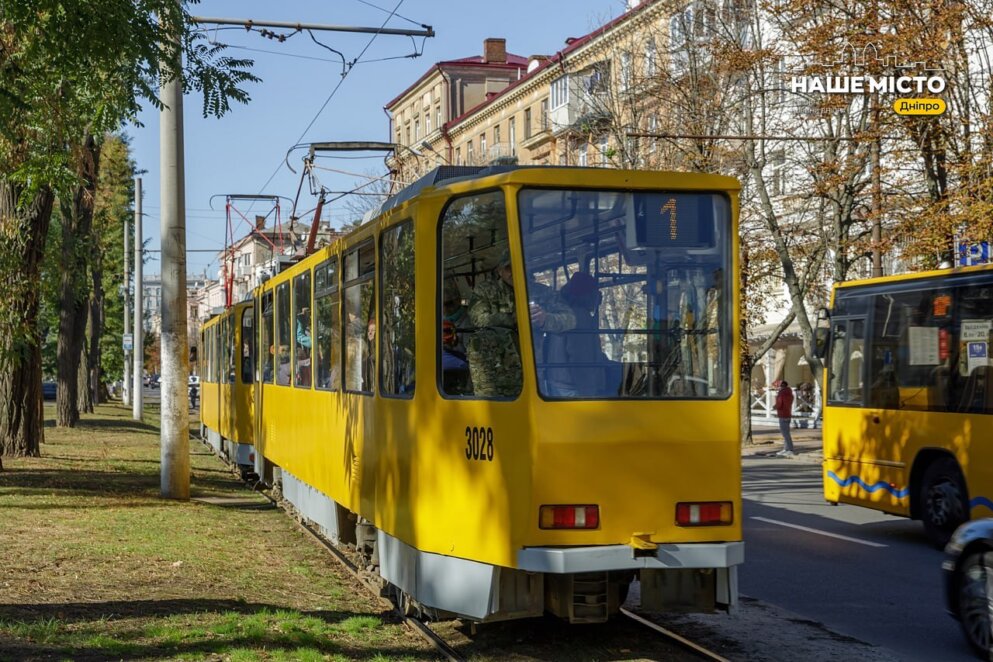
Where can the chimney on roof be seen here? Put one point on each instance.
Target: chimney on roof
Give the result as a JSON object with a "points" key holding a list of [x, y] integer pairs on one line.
{"points": [[495, 51], [259, 222]]}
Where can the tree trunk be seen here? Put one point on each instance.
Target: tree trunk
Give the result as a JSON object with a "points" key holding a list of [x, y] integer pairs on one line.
{"points": [[84, 401], [96, 330], [77, 223], [23, 230]]}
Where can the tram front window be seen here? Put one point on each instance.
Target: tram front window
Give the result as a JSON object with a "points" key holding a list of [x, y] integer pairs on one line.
{"points": [[629, 293]]}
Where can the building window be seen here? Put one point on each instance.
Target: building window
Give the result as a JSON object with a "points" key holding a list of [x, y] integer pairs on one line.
{"points": [[560, 91], [582, 158], [651, 58], [396, 335], [512, 135], [458, 156], [777, 184], [602, 148], [482, 146], [427, 123], [470, 157], [544, 115], [653, 127], [409, 142], [437, 114], [496, 135], [527, 123], [417, 128], [625, 70]]}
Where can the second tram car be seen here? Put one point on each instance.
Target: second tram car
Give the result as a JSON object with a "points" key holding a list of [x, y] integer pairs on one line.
{"points": [[515, 391], [227, 360]]}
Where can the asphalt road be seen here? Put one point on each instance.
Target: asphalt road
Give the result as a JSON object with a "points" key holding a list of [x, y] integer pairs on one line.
{"points": [[859, 572]]}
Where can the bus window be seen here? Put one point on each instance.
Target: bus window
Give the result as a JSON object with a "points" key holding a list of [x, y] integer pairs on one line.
{"points": [[327, 317], [302, 330], [360, 318], [247, 345], [396, 359], [847, 358], [267, 346], [282, 349], [478, 342]]}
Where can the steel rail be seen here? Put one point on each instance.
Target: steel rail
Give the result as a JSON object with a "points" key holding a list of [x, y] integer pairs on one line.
{"points": [[669, 634]]}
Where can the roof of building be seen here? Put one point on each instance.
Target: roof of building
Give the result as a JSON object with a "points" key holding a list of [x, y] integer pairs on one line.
{"points": [[572, 45], [513, 62]]}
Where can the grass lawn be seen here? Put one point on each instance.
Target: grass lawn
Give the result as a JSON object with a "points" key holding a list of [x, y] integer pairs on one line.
{"points": [[95, 565]]}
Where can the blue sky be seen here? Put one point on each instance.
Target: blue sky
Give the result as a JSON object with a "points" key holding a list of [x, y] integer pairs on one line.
{"points": [[242, 151]]}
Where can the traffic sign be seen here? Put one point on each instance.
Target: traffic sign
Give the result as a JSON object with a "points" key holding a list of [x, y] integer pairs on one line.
{"points": [[128, 342], [975, 253]]}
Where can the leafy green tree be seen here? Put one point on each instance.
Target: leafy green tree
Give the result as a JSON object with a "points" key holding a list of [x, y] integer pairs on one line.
{"points": [[71, 69]]}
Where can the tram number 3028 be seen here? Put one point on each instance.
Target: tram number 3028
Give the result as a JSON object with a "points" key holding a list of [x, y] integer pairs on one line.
{"points": [[478, 443]]}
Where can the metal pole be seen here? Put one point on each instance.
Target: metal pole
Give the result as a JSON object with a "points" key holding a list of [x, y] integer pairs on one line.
{"points": [[126, 390], [137, 395], [175, 430]]}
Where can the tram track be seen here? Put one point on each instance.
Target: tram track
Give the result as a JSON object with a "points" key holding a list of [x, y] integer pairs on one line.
{"points": [[678, 639], [415, 625], [423, 630]]}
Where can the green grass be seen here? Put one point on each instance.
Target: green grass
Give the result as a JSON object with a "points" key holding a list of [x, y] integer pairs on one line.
{"points": [[98, 566]]}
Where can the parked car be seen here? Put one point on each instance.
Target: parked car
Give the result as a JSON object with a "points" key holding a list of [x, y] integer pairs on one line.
{"points": [[49, 390], [968, 569]]}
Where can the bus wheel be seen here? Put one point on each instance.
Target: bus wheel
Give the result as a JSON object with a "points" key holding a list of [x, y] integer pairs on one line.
{"points": [[975, 591], [943, 505]]}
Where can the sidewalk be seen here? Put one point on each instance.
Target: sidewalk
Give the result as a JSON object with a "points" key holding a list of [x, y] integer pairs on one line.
{"points": [[807, 443]]}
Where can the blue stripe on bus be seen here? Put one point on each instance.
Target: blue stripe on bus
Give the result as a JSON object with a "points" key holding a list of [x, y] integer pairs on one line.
{"points": [[981, 501], [881, 485]]}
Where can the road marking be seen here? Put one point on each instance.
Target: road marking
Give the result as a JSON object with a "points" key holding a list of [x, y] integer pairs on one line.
{"points": [[819, 532]]}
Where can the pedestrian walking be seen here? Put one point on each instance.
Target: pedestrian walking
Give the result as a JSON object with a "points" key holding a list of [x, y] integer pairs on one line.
{"points": [[784, 410]]}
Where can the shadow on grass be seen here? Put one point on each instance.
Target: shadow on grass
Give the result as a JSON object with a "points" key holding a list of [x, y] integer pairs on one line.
{"points": [[93, 635], [81, 483]]}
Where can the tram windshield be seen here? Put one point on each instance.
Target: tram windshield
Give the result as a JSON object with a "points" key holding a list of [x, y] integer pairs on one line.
{"points": [[629, 292]]}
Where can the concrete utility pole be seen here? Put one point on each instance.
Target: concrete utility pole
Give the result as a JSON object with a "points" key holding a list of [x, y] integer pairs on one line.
{"points": [[175, 431], [137, 396], [126, 390]]}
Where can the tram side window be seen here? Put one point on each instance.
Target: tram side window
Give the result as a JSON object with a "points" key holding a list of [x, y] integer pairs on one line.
{"points": [[267, 346], [360, 318], [229, 348], [215, 359], [327, 317], [846, 385], [247, 345], [396, 359], [302, 330], [478, 339], [282, 349]]}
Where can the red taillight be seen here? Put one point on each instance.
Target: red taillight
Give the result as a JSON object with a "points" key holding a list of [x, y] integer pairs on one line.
{"points": [[569, 517], [704, 513], [251, 457]]}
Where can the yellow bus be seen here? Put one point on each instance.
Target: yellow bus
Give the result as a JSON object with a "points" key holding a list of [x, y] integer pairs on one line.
{"points": [[908, 405]]}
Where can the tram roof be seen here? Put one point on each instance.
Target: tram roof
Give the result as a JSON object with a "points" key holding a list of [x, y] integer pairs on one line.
{"points": [[448, 174]]}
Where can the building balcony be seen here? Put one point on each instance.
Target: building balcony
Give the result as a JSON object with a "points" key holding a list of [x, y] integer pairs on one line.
{"points": [[580, 114], [540, 133]]}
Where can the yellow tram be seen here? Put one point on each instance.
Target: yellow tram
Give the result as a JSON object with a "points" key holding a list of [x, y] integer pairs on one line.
{"points": [[227, 398], [515, 390]]}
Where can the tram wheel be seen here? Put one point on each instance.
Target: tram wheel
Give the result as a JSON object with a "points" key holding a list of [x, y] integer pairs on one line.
{"points": [[943, 506]]}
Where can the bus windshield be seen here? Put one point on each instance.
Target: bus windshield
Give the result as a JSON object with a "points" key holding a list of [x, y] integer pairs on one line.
{"points": [[628, 292]]}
